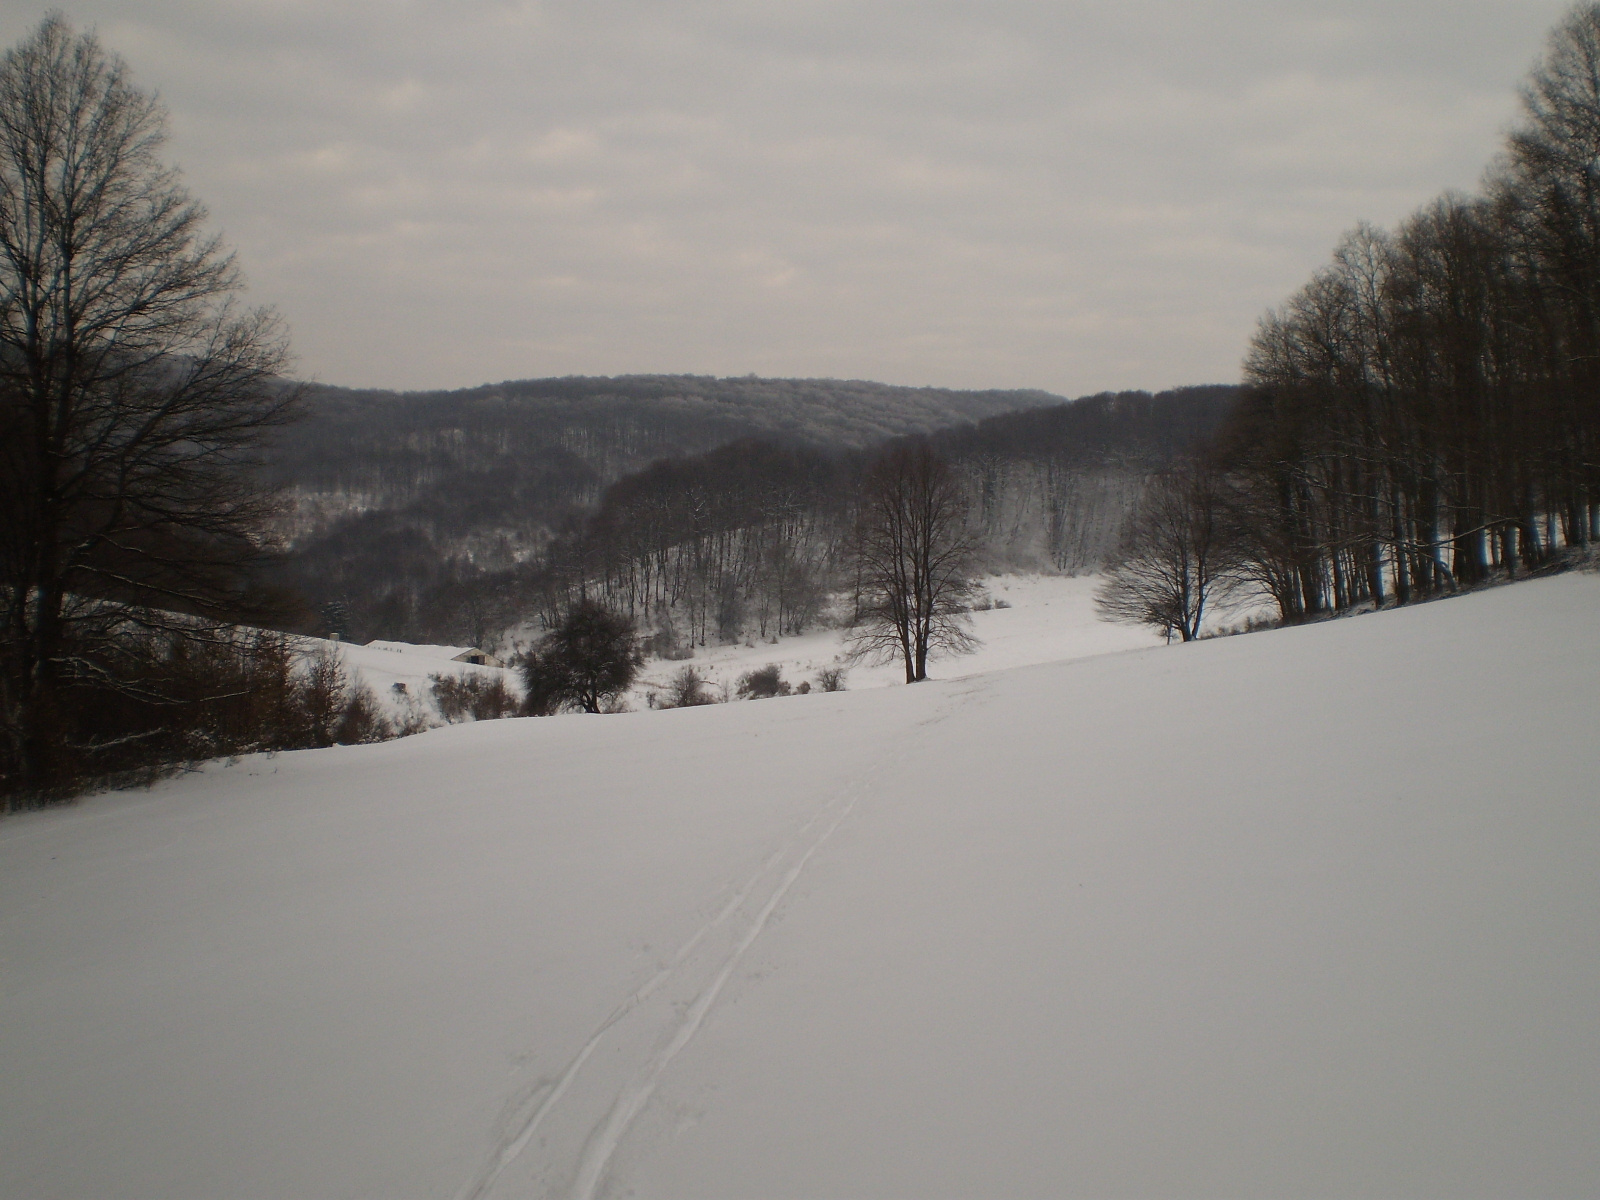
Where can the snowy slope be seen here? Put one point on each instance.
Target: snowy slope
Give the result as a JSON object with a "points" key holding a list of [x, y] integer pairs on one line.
{"points": [[1305, 913], [399, 675], [1045, 618]]}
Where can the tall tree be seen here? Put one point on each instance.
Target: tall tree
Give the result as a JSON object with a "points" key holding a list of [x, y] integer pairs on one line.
{"points": [[134, 395], [913, 557], [1176, 559], [1551, 187]]}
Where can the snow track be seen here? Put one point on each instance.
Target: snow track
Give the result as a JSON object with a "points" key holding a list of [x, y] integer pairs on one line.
{"points": [[1306, 913], [579, 1121]]}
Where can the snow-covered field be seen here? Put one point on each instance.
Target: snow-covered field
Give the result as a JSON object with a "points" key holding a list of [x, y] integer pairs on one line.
{"points": [[1037, 618], [1313, 912], [400, 675], [1045, 618]]}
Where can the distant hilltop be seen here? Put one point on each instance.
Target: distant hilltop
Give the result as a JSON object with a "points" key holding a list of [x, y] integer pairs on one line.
{"points": [[683, 413]]}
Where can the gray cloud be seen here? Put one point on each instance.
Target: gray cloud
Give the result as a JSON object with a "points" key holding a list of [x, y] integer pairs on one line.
{"points": [[1072, 195]]}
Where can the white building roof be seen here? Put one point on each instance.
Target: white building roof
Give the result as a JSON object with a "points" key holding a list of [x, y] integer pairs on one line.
{"points": [[440, 653]]}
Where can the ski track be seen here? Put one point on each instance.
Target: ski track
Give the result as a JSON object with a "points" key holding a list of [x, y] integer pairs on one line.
{"points": [[669, 1031], [507, 1153]]}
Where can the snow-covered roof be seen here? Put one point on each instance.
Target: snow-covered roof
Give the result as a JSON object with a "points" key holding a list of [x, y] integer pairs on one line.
{"points": [[441, 653]]}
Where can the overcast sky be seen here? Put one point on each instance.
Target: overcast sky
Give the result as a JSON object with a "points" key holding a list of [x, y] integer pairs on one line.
{"points": [[1068, 194]]}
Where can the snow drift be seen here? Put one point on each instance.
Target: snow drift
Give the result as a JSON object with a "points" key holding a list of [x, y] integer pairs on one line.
{"points": [[1305, 913]]}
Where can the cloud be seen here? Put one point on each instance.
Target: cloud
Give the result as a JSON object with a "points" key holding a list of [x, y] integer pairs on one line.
{"points": [[1073, 196]]}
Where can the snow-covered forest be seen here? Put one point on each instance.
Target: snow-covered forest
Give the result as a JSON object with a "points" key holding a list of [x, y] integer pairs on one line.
{"points": [[450, 517]]}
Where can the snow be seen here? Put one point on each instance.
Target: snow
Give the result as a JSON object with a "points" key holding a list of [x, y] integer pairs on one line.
{"points": [[399, 673], [1305, 913], [421, 650], [1047, 618]]}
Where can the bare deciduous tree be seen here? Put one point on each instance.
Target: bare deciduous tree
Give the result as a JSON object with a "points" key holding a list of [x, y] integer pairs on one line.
{"points": [[134, 393], [913, 557], [1175, 559]]}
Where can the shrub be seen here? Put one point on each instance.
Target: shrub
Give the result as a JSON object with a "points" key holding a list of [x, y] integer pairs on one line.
{"points": [[327, 709], [831, 679], [198, 694], [763, 683], [666, 644], [686, 689], [474, 696], [362, 721]]}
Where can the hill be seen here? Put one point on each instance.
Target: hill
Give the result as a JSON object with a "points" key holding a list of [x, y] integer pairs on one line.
{"points": [[427, 516], [409, 508], [549, 444], [1309, 912]]}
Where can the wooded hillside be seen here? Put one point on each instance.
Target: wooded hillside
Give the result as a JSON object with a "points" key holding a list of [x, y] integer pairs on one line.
{"points": [[450, 516]]}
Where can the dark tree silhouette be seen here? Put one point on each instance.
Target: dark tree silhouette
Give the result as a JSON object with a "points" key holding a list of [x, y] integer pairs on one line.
{"points": [[1425, 412], [591, 657], [1175, 559], [913, 558], [134, 395]]}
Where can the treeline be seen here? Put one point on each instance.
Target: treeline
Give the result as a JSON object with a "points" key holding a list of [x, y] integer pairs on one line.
{"points": [[413, 514], [523, 455], [1426, 410], [748, 540], [392, 443], [706, 548], [1050, 487]]}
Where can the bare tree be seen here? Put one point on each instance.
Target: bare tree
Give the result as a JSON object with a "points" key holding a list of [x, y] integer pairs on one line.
{"points": [[687, 689], [1551, 187], [1175, 558], [913, 557], [134, 395]]}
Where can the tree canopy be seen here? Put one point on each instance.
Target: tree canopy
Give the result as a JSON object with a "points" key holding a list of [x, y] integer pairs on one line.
{"points": [[591, 657], [134, 393]]}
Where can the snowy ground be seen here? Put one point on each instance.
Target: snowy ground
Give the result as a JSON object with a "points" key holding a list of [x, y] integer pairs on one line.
{"points": [[1306, 913], [401, 679], [1047, 618]]}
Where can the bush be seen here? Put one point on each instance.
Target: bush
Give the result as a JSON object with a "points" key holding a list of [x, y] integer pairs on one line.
{"points": [[831, 679], [763, 683], [474, 696], [686, 689], [199, 694], [326, 709], [362, 721], [666, 644]]}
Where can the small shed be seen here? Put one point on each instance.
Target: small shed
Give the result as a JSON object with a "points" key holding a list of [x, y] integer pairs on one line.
{"points": [[480, 657], [461, 654]]}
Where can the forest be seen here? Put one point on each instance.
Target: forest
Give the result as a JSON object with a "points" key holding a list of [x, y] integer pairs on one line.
{"points": [[1420, 417], [465, 516], [407, 511], [1425, 411]]}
